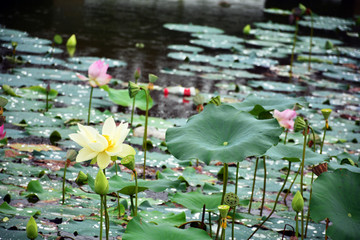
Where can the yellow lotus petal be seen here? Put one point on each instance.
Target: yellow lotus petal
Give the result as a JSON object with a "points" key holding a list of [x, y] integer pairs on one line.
{"points": [[88, 132], [121, 132], [99, 144], [109, 127], [115, 150], [79, 139], [103, 160], [85, 154], [126, 150]]}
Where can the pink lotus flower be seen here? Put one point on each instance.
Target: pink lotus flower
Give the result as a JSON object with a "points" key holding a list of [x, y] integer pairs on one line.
{"points": [[285, 118], [97, 74], [2, 133]]}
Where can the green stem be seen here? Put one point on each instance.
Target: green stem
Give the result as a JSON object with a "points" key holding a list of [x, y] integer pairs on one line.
{"points": [[286, 133], [107, 220], [308, 213], [293, 48], [210, 225], [253, 186], [47, 101], [276, 201], [136, 193], [302, 180], [225, 180], [63, 185], [132, 204], [323, 140], [117, 193], [91, 93], [297, 224], [292, 183], [311, 36], [132, 112], [234, 211], [264, 188], [314, 140], [222, 234], [101, 216], [145, 130]]}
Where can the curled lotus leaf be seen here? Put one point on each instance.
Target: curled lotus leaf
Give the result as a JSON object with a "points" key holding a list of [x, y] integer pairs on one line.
{"points": [[222, 133]]}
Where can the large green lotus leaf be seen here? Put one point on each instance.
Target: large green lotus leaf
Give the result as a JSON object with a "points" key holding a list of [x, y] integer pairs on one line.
{"points": [[218, 37], [228, 64], [335, 165], [328, 59], [12, 32], [350, 52], [83, 63], [194, 179], [24, 39], [32, 118], [163, 218], [185, 48], [152, 121], [242, 74], [255, 104], [192, 57], [22, 104], [217, 77], [121, 97], [264, 43], [137, 229], [275, 26], [37, 92], [47, 74], [277, 86], [294, 154], [224, 134], [7, 209], [17, 80], [349, 76], [192, 28], [263, 62], [217, 44], [40, 60], [336, 196], [195, 201], [33, 48], [327, 23]]}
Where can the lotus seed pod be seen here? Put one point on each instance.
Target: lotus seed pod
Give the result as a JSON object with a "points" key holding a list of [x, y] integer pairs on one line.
{"points": [[101, 183], [300, 124], [247, 29], [297, 202], [153, 78], [129, 162], [133, 89], [81, 178], [31, 229], [71, 42], [223, 209], [326, 113], [71, 155], [231, 199]]}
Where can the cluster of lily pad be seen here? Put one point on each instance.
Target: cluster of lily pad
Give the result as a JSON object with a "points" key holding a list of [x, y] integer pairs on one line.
{"points": [[218, 147]]}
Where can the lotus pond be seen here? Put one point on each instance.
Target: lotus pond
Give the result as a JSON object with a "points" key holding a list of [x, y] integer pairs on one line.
{"points": [[260, 141]]}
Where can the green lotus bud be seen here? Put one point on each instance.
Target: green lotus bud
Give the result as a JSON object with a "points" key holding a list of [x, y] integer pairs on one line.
{"points": [[71, 50], [101, 183], [14, 44], [231, 199], [326, 113], [58, 39], [303, 8], [71, 155], [223, 209], [299, 124], [297, 202], [247, 29], [133, 89], [329, 45], [153, 78], [81, 178], [31, 229], [129, 162], [71, 42], [137, 74]]}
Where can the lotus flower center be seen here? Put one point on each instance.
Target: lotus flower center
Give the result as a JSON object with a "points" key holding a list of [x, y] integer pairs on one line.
{"points": [[225, 143], [110, 142]]}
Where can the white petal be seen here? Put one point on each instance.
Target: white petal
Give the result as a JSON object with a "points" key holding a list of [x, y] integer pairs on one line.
{"points": [[126, 150], [85, 154], [88, 132], [109, 127], [114, 150], [100, 143], [79, 139], [121, 132], [103, 160]]}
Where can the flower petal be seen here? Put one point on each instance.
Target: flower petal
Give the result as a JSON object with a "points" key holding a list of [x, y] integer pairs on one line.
{"points": [[103, 160], [88, 132], [82, 77], [79, 139], [121, 132], [95, 69], [100, 143], [109, 127], [115, 150], [85, 154], [126, 150]]}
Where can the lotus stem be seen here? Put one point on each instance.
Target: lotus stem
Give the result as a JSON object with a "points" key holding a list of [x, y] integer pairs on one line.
{"points": [[132, 204], [292, 183], [132, 113], [253, 186], [117, 193], [145, 130], [234, 210], [323, 140], [264, 188], [101, 216], [136, 192], [286, 133], [302, 180], [327, 225], [107, 220], [47, 101], [308, 213], [225, 179], [297, 225], [63, 185], [311, 36], [314, 140], [210, 225], [91, 93], [293, 48], [276, 201]]}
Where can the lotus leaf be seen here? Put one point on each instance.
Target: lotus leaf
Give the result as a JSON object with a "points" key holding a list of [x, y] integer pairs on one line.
{"points": [[196, 200]]}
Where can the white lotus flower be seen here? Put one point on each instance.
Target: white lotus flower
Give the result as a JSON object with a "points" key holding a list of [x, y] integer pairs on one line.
{"points": [[102, 146]]}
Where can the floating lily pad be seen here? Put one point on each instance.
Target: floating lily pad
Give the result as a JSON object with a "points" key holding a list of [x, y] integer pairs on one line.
{"points": [[277, 86], [235, 65], [17, 80], [48, 74], [191, 57], [242, 74], [192, 28], [277, 11], [348, 76], [22, 38], [212, 136], [247, 60], [33, 48], [196, 200], [177, 72], [327, 23], [198, 68], [217, 76], [42, 60], [185, 48], [217, 44], [264, 43], [275, 26], [83, 63], [12, 32]]}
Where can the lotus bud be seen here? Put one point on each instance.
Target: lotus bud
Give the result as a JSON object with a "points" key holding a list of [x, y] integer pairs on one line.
{"points": [[152, 78], [101, 183], [81, 178], [14, 44], [137, 74], [48, 88], [71, 155], [31, 229], [247, 29], [300, 124], [58, 39], [71, 42], [133, 89], [326, 113], [129, 162], [302, 8], [71, 50], [223, 209], [297, 202], [329, 45]]}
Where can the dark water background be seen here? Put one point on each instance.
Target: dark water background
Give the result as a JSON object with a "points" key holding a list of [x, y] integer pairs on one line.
{"points": [[111, 28]]}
